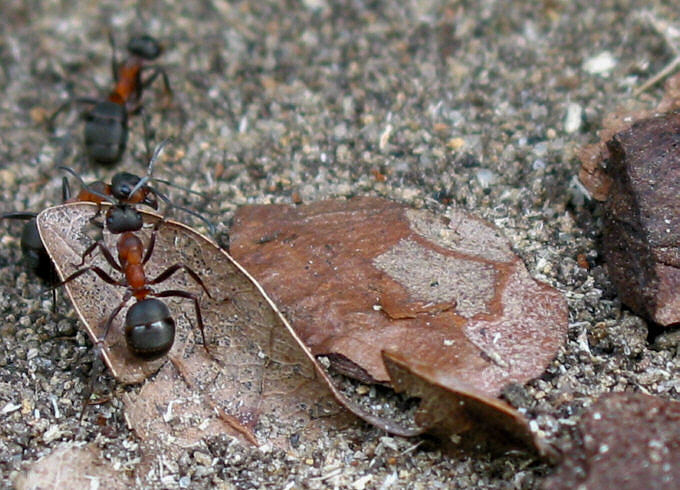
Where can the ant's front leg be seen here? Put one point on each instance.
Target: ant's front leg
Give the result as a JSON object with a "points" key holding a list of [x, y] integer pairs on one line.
{"points": [[78, 100], [157, 70], [98, 352], [105, 252], [103, 275], [114, 58]]}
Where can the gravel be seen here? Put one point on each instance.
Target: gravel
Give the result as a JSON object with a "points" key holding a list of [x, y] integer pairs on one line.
{"points": [[478, 105]]}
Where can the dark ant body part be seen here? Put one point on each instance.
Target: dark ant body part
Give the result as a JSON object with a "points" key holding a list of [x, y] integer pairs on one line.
{"points": [[32, 248], [106, 128]]}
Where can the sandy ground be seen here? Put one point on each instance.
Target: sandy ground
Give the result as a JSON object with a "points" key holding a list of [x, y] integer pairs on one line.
{"points": [[478, 105]]}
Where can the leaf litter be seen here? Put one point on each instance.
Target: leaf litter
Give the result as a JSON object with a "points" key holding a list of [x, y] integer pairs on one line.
{"points": [[258, 382], [374, 279]]}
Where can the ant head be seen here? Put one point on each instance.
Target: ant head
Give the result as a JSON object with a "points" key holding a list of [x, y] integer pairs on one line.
{"points": [[122, 218], [122, 186], [145, 47]]}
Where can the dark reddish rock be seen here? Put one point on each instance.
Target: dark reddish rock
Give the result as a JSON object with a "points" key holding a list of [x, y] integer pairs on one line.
{"points": [[641, 236], [359, 277], [628, 441]]}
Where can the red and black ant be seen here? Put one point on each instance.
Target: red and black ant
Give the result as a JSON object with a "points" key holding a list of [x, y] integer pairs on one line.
{"points": [[106, 127], [149, 326]]}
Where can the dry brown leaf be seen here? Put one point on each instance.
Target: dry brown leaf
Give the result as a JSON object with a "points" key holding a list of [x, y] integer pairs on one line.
{"points": [[259, 383], [73, 467], [458, 413], [358, 277]]}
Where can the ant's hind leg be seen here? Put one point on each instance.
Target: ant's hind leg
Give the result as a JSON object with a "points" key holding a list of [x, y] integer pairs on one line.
{"points": [[199, 317]]}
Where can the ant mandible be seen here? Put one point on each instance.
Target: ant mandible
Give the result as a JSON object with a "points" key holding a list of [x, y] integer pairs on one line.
{"points": [[106, 127], [149, 326]]}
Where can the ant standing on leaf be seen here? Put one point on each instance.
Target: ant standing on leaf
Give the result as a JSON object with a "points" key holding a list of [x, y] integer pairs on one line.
{"points": [[121, 189], [149, 326], [106, 128]]}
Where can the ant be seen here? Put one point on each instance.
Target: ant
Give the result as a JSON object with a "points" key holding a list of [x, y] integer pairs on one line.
{"points": [[32, 248], [106, 127], [149, 326]]}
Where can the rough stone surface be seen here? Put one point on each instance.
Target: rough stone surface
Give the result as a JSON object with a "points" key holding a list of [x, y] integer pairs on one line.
{"points": [[641, 235], [627, 440]]}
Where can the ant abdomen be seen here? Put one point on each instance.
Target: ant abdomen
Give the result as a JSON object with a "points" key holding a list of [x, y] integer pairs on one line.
{"points": [[106, 132], [34, 252], [149, 329]]}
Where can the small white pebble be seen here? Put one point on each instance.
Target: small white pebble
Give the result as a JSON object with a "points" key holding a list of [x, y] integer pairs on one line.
{"points": [[574, 118], [486, 177], [9, 408], [360, 484], [601, 64]]}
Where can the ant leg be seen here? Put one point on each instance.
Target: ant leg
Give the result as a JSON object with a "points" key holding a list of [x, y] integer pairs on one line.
{"points": [[101, 273], [65, 189], [50, 120], [97, 368], [152, 242], [105, 252], [19, 215], [62, 107], [112, 316], [54, 278], [197, 307], [147, 131], [114, 58], [154, 74], [98, 350], [174, 268]]}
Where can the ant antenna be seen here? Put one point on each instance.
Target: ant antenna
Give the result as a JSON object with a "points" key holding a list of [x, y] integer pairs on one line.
{"points": [[87, 186], [142, 182], [152, 161], [180, 187], [156, 154], [170, 204]]}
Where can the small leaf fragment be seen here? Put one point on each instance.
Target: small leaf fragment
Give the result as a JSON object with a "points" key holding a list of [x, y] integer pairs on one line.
{"points": [[457, 412], [74, 467]]}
